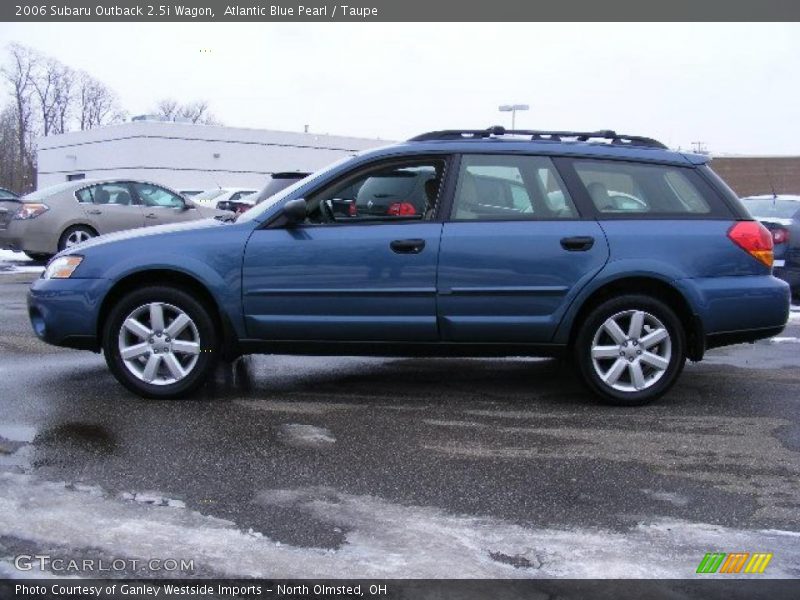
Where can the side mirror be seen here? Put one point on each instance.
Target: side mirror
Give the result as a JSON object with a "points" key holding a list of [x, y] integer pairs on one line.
{"points": [[295, 211], [187, 205]]}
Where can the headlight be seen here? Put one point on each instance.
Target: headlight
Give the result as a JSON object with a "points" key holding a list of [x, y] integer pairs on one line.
{"points": [[30, 211], [62, 267]]}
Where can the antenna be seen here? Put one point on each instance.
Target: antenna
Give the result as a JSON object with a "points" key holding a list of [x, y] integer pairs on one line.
{"points": [[771, 184]]}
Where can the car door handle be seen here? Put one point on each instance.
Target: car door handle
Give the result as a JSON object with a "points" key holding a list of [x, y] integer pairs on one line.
{"points": [[407, 246], [94, 212], [578, 243], [151, 216]]}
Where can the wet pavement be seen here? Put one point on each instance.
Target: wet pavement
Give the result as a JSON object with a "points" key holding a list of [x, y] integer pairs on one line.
{"points": [[297, 466]]}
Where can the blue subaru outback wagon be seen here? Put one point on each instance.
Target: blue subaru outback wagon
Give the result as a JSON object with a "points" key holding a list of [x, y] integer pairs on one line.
{"points": [[609, 249]]}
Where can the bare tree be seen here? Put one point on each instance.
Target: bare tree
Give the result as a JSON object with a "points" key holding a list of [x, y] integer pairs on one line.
{"points": [[167, 109], [53, 82], [194, 112], [19, 74], [8, 148], [97, 104]]}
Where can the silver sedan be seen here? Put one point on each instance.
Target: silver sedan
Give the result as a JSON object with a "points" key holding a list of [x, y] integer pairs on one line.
{"points": [[51, 219]]}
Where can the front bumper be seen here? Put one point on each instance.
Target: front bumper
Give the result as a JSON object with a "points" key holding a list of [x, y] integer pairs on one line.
{"points": [[63, 312]]}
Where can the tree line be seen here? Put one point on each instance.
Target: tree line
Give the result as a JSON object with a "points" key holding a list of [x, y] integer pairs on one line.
{"points": [[47, 97]]}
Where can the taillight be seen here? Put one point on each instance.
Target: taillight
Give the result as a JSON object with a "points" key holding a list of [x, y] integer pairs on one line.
{"points": [[30, 211], [780, 235], [352, 209], [753, 238], [401, 209]]}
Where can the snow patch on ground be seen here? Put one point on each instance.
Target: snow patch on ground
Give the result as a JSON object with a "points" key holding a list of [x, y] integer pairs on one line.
{"points": [[383, 539], [784, 340], [152, 498], [17, 433], [17, 262], [297, 434]]}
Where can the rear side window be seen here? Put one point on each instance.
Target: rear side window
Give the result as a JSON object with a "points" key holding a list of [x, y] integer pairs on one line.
{"points": [[106, 193], [623, 188], [515, 188]]}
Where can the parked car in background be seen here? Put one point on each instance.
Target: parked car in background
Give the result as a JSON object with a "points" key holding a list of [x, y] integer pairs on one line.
{"points": [[493, 264], [276, 183], [59, 217], [781, 215], [214, 196]]}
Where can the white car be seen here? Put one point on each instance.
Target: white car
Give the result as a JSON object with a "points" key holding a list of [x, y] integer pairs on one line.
{"points": [[211, 198]]}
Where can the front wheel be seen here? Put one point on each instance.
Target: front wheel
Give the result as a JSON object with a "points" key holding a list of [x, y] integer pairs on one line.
{"points": [[159, 342], [631, 349]]}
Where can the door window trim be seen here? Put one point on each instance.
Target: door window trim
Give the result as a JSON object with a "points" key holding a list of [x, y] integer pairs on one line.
{"points": [[122, 182], [275, 222], [579, 209]]}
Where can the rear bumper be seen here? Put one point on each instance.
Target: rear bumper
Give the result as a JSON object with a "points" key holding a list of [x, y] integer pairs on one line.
{"points": [[734, 310], [727, 338], [28, 236], [63, 312]]}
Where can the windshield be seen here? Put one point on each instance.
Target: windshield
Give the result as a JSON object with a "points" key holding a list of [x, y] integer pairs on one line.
{"points": [[6, 195], [50, 191], [270, 201], [772, 207]]}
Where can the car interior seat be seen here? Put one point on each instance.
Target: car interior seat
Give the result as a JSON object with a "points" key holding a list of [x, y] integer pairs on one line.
{"points": [[599, 194], [101, 196], [467, 200], [123, 198]]}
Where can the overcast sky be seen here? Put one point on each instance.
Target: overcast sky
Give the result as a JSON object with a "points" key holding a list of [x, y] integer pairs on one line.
{"points": [[735, 87]]}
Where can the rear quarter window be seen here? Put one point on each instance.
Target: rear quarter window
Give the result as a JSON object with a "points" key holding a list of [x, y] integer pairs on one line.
{"points": [[641, 190]]}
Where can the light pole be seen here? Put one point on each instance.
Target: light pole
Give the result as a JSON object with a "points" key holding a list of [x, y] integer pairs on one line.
{"points": [[513, 108]]}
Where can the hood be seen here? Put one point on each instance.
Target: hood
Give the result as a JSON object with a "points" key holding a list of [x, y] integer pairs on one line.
{"points": [[144, 232]]}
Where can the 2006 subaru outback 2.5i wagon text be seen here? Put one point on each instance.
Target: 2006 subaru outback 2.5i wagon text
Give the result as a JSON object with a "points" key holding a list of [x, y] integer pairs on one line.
{"points": [[612, 248]]}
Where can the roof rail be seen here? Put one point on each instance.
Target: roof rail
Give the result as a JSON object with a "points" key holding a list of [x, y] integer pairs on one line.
{"points": [[536, 135]]}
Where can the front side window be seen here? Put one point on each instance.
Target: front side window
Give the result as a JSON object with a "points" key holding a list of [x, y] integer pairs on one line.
{"points": [[398, 191], [154, 196], [617, 187], [502, 187], [106, 193]]}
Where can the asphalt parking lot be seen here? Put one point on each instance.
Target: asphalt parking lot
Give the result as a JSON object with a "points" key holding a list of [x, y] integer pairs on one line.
{"points": [[353, 467]]}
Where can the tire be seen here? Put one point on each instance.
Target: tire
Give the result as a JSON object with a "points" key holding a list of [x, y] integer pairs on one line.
{"points": [[39, 258], [630, 370], [75, 235], [149, 369]]}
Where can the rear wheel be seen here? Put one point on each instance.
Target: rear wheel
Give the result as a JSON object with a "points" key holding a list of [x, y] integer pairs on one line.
{"points": [[159, 342], [631, 349], [75, 235]]}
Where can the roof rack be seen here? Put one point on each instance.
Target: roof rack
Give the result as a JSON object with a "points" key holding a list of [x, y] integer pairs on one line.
{"points": [[535, 135]]}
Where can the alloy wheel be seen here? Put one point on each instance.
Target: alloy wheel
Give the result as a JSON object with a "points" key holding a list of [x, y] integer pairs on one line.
{"points": [[631, 351], [159, 343]]}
